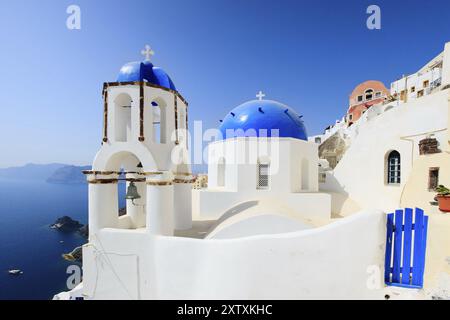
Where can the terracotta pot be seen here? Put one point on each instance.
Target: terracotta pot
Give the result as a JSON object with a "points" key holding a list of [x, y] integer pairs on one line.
{"points": [[444, 203]]}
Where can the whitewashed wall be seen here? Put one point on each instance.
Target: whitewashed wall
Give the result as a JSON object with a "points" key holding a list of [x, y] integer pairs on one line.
{"points": [[330, 262], [293, 177]]}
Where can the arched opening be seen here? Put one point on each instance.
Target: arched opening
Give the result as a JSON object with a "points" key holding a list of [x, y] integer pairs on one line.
{"points": [[263, 174], [122, 116], [131, 192], [159, 121], [221, 172], [393, 167], [305, 174], [368, 94]]}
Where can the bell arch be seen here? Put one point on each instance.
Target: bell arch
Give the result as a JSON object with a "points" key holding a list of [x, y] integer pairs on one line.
{"points": [[159, 120], [121, 170], [122, 117]]}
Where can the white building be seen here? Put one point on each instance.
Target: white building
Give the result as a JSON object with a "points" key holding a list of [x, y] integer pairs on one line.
{"points": [[425, 81], [266, 227], [263, 157]]}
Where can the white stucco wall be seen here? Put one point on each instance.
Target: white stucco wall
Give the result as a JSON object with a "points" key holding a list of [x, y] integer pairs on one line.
{"points": [[211, 205], [285, 156], [293, 179], [264, 223], [329, 262]]}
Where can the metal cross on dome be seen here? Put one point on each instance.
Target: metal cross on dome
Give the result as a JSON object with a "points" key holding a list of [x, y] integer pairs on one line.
{"points": [[147, 52], [260, 95]]}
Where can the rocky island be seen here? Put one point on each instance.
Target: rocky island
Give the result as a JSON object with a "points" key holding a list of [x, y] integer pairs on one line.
{"points": [[66, 224]]}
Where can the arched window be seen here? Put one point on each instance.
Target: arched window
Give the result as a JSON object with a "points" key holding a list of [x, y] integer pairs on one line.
{"points": [[368, 94], [393, 167], [159, 122], [263, 175], [122, 116], [221, 172]]}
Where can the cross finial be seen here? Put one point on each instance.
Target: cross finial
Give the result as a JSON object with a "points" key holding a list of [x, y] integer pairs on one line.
{"points": [[147, 52], [260, 95]]}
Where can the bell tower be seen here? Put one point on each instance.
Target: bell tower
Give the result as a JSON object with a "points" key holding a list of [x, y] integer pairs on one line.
{"points": [[144, 145]]}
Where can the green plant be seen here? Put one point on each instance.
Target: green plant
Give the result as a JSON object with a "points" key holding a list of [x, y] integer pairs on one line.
{"points": [[442, 190]]}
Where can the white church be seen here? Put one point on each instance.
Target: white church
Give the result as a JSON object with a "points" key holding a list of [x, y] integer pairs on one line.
{"points": [[275, 221]]}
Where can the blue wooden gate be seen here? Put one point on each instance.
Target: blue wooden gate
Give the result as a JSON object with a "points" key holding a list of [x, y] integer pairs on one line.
{"points": [[405, 248]]}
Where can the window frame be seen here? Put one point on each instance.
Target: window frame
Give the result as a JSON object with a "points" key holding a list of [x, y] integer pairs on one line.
{"points": [[263, 180], [436, 183], [393, 168]]}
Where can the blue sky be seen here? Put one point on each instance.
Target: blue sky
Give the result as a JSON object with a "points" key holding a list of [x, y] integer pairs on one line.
{"points": [[306, 54]]}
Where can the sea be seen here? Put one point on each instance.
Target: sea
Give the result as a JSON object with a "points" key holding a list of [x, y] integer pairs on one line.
{"points": [[27, 209]]}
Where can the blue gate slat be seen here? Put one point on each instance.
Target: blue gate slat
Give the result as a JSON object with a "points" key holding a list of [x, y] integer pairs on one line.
{"points": [[398, 223], [387, 261], [424, 241], [418, 248], [407, 236]]}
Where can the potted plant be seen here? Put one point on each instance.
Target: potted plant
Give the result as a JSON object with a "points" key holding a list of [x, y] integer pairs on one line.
{"points": [[443, 198]]}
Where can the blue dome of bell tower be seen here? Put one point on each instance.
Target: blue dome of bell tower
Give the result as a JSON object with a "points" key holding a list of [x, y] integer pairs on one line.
{"points": [[145, 71]]}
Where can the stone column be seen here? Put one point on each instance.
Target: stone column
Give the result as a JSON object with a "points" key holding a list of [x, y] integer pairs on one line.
{"points": [[183, 201], [160, 203], [103, 201]]}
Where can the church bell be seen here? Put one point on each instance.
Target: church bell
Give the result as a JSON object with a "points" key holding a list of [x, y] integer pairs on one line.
{"points": [[132, 193]]}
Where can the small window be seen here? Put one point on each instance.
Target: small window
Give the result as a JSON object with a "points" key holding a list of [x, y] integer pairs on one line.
{"points": [[360, 98], [318, 140], [350, 117], [413, 89], [322, 177], [426, 83], [433, 179], [393, 168], [378, 94], [369, 94], [221, 172], [420, 93], [403, 95], [263, 176]]}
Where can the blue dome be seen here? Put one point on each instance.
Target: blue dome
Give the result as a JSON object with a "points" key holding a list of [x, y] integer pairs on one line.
{"points": [[145, 71], [263, 114]]}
